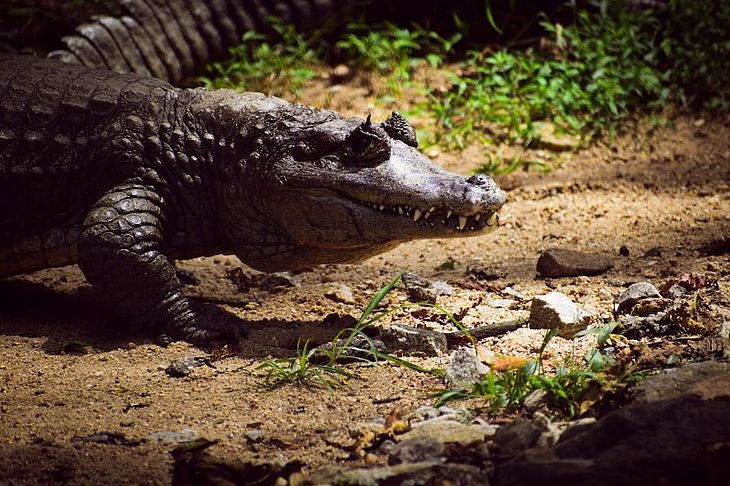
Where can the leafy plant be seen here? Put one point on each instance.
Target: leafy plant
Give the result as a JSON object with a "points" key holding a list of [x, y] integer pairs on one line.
{"points": [[564, 388], [275, 66], [322, 365]]}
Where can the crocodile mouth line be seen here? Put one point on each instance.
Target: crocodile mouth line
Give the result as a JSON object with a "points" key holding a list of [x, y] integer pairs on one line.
{"points": [[435, 215]]}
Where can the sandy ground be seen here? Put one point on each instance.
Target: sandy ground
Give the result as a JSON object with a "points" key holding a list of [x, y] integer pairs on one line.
{"points": [[656, 187]]}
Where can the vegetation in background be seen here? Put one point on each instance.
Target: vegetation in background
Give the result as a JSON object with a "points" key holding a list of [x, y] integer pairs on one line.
{"points": [[584, 77], [275, 67]]}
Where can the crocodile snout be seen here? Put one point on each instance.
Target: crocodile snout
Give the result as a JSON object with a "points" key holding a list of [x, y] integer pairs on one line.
{"points": [[490, 195]]}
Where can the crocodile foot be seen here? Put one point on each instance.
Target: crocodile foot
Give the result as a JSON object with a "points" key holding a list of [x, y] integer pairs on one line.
{"points": [[206, 324]]}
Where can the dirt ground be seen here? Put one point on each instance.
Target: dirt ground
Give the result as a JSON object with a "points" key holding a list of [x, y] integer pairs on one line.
{"points": [[68, 370]]}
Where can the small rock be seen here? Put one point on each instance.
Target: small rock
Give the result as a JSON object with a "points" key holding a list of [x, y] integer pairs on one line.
{"points": [[408, 473], [636, 327], [547, 138], [446, 432], [106, 438], [411, 279], [633, 294], [254, 436], [442, 288], [464, 368], [185, 435], [340, 73], [413, 341], [342, 294], [513, 293], [708, 380], [184, 366], [559, 262], [419, 289], [624, 251], [676, 291], [427, 412], [417, 449], [421, 294], [654, 251], [556, 311], [277, 280], [502, 303], [515, 438], [650, 306]]}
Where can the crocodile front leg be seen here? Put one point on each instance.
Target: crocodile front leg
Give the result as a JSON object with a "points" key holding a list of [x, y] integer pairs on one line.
{"points": [[120, 255]]}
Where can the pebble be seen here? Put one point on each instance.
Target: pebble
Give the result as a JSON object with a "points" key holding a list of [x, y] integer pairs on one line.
{"points": [[633, 294], [446, 432], [464, 368], [278, 280], [342, 294], [184, 366], [560, 262], [413, 341], [557, 311], [514, 293]]}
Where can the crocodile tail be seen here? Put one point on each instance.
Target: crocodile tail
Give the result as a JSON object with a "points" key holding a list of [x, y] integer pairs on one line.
{"points": [[174, 39]]}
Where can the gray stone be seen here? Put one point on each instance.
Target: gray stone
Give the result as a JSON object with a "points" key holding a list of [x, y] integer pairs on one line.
{"points": [[559, 262], [502, 303], [427, 412], [417, 449], [406, 474], [515, 438], [556, 311], [446, 431], [633, 294], [676, 291], [341, 293], [413, 341], [277, 280], [650, 306], [513, 293], [419, 289], [464, 368], [675, 433], [184, 366], [442, 288], [705, 379], [637, 327]]}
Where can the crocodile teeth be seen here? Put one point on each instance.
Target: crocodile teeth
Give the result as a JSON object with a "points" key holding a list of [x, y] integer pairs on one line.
{"points": [[477, 216], [382, 206], [492, 219], [427, 215], [417, 215], [462, 222], [448, 214], [400, 209], [432, 209]]}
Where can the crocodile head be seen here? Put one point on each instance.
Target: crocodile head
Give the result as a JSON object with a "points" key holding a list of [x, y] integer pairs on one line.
{"points": [[343, 190]]}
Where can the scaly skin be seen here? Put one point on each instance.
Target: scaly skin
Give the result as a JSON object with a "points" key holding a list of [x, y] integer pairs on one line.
{"points": [[174, 39], [122, 174]]}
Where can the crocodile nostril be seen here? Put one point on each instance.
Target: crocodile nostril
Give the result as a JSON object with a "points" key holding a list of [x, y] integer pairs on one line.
{"points": [[482, 181]]}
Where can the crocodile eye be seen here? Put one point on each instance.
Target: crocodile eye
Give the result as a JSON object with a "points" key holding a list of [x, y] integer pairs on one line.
{"points": [[360, 144], [368, 145]]}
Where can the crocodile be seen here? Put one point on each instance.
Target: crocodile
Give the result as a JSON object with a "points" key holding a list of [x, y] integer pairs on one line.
{"points": [[123, 174], [174, 39]]}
